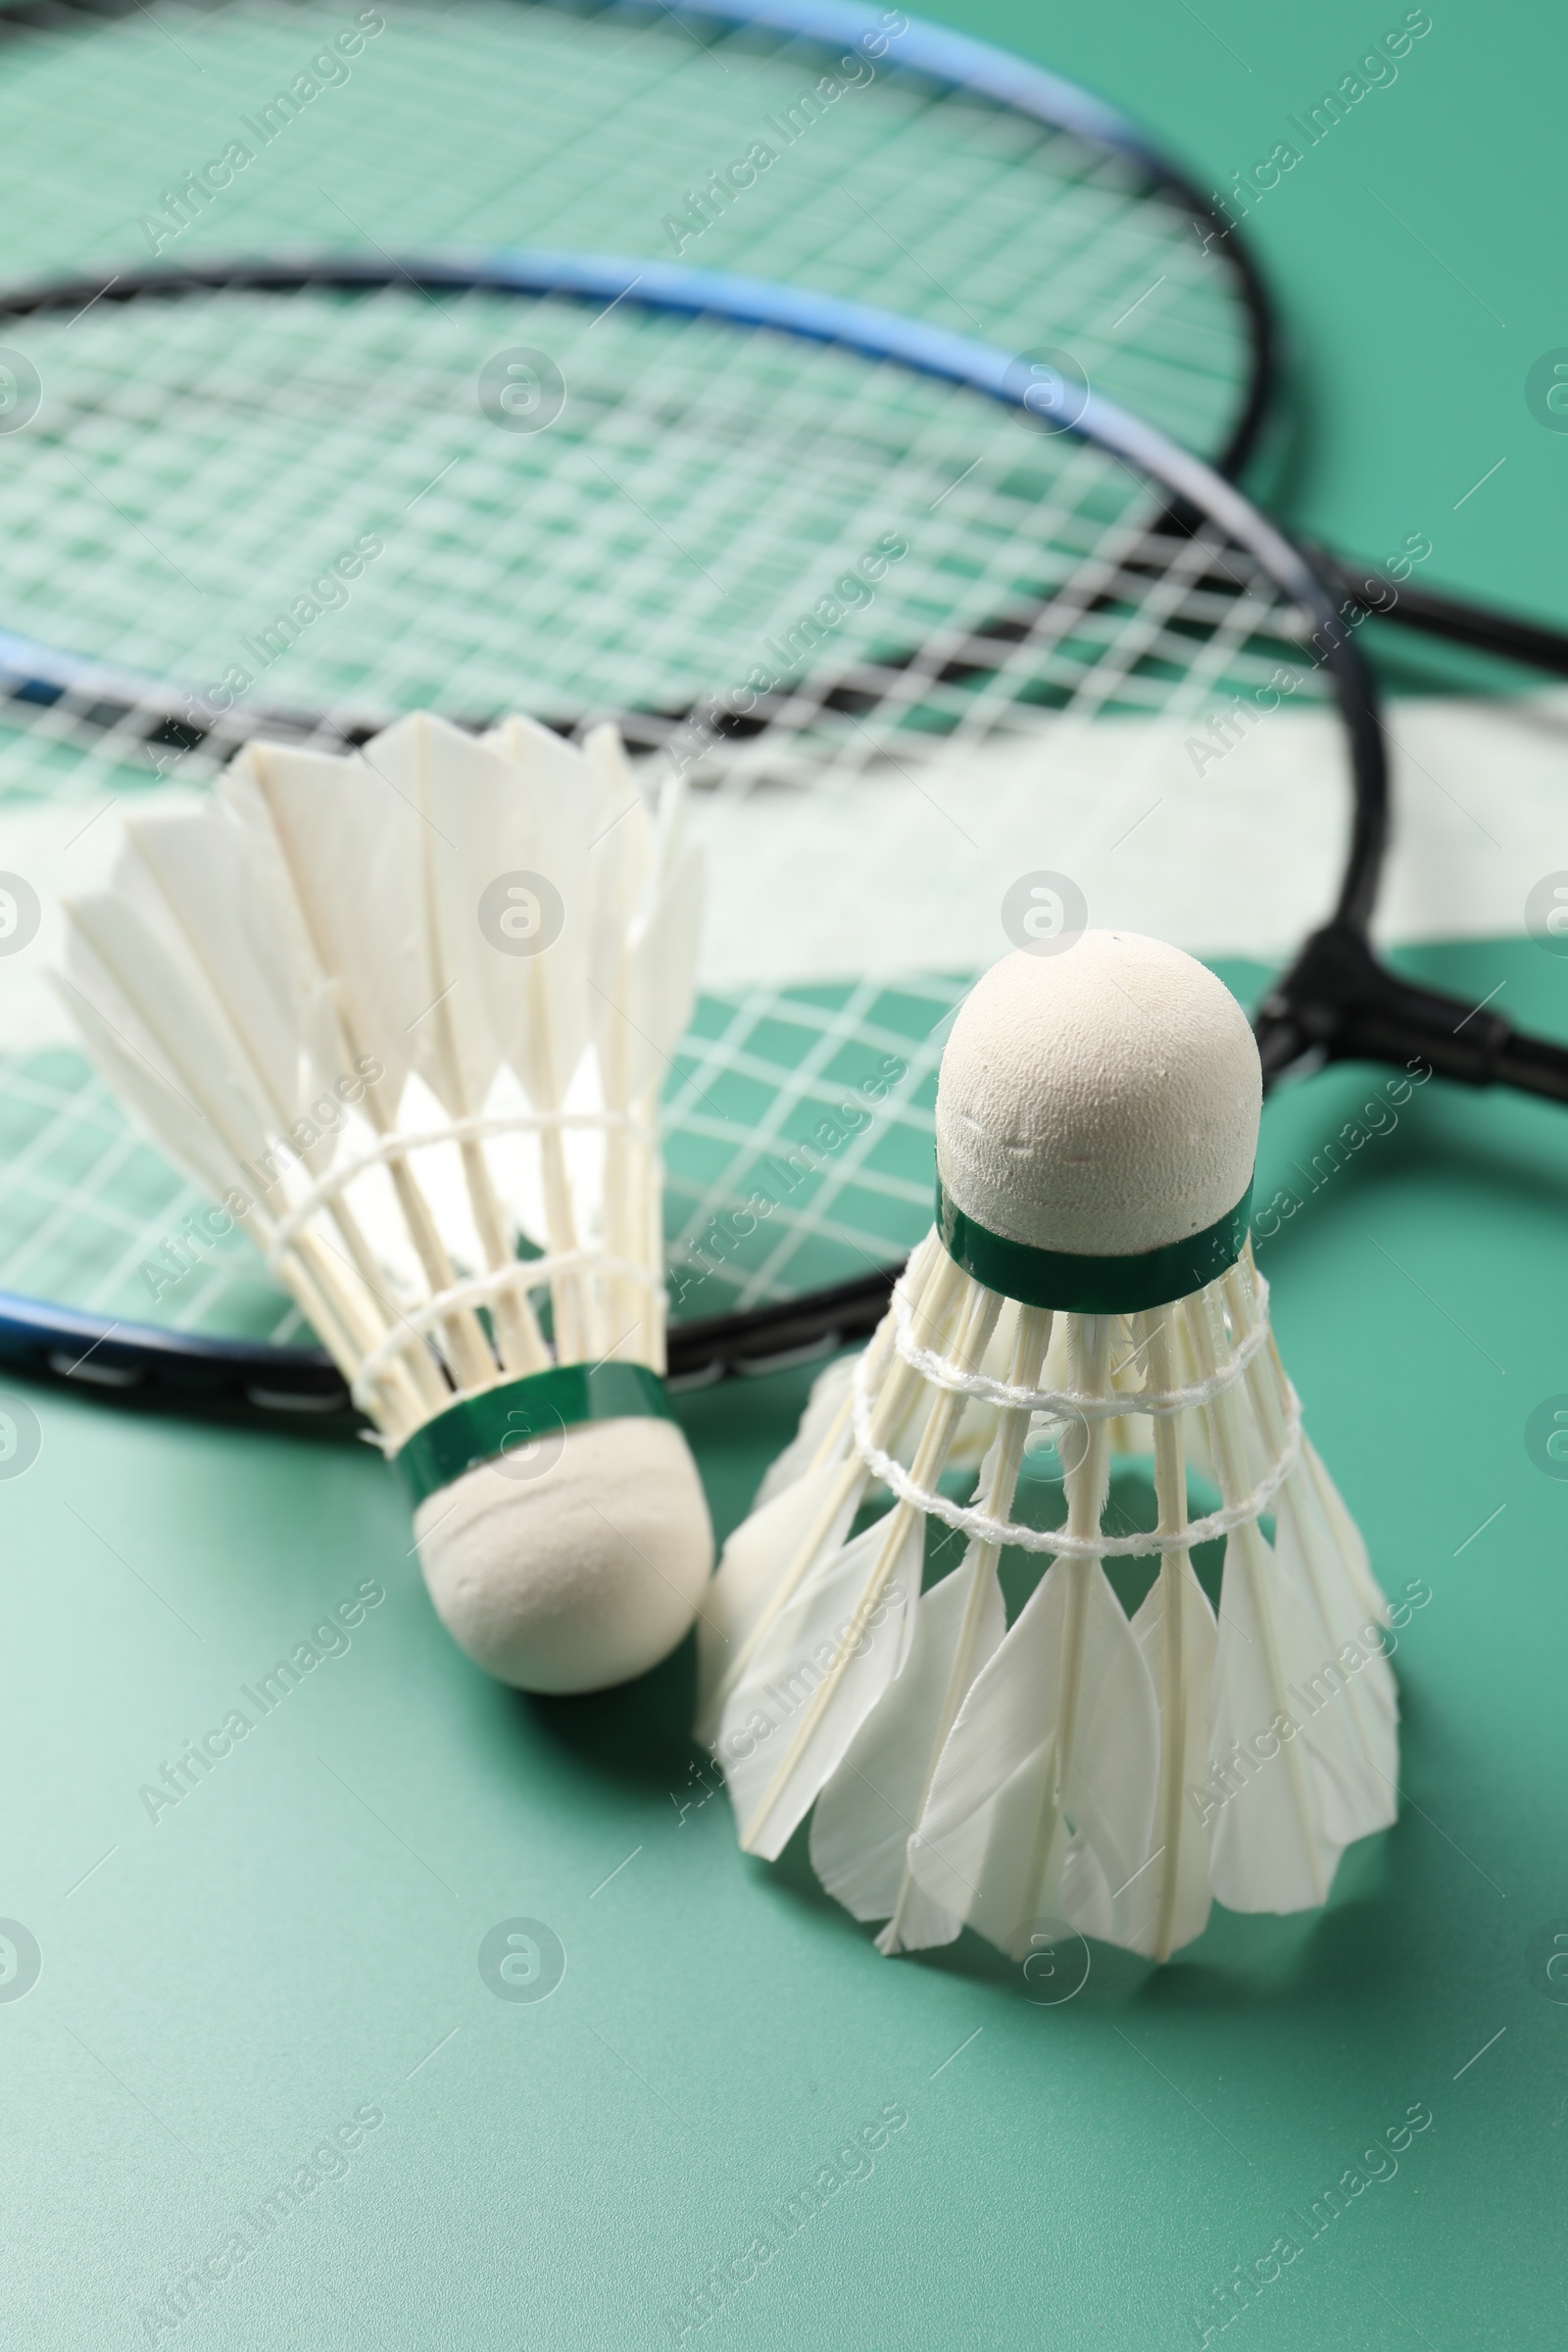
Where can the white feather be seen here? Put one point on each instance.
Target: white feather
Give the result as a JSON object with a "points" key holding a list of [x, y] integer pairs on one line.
{"points": [[1274, 1812], [868, 1810], [814, 1676], [1348, 1541], [346, 833], [1349, 1707], [1355, 1718], [140, 986], [166, 1099], [530, 811], [827, 1414], [1043, 1799], [195, 877], [645, 966], [325, 909], [1169, 1903], [749, 1577]]}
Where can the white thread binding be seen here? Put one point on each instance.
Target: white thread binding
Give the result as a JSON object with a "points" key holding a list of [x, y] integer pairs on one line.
{"points": [[1072, 1403], [323, 1191], [1006, 1534], [416, 1323]]}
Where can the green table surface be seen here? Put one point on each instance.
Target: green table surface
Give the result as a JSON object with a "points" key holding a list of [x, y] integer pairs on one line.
{"points": [[297, 1940], [1413, 251], [261, 2017]]}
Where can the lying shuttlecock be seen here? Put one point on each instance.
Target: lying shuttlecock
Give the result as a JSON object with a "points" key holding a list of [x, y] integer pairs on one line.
{"points": [[1096, 1125], [405, 1014]]}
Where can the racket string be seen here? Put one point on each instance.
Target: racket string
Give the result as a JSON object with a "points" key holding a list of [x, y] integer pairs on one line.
{"points": [[1007, 531], [1039, 589]]}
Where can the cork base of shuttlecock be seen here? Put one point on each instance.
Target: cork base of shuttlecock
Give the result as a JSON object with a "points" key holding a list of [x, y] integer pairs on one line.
{"points": [[578, 1576]]}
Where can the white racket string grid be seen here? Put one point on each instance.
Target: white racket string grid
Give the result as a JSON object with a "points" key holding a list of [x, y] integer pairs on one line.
{"points": [[878, 576]]}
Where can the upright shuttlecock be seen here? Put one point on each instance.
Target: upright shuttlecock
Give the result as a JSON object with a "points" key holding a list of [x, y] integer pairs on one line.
{"points": [[404, 1015], [1090, 1279]]}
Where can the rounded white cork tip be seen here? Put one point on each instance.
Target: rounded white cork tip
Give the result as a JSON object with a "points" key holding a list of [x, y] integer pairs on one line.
{"points": [[579, 1574], [1101, 1102]]}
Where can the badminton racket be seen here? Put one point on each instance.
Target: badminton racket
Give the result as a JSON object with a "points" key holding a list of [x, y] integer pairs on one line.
{"points": [[1049, 213], [799, 548], [852, 149]]}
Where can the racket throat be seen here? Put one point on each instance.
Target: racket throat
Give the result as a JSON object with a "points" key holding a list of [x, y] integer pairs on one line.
{"points": [[1336, 1003]]}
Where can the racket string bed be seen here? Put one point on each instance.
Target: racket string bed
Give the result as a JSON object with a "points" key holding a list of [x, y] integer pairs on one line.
{"points": [[999, 590], [993, 592], [635, 481], [202, 458], [832, 1203], [907, 189]]}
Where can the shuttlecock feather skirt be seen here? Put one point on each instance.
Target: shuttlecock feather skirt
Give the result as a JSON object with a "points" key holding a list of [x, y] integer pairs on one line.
{"points": [[1109, 1773], [406, 1014]]}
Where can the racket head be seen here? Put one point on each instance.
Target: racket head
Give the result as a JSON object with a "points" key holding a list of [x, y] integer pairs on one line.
{"points": [[837, 555], [853, 149]]}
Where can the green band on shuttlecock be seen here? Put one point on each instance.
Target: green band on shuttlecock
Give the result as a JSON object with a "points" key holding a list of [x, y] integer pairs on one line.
{"points": [[523, 1413], [1093, 1286]]}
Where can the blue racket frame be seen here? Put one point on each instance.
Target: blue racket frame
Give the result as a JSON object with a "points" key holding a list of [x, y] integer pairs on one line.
{"points": [[188, 1371]]}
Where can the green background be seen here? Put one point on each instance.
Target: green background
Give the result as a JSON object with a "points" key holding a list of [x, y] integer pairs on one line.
{"points": [[299, 1938], [1412, 251]]}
